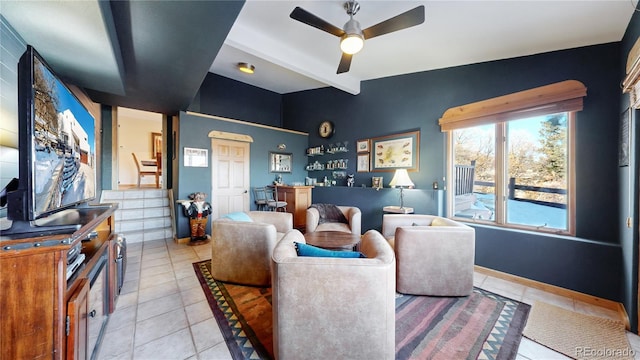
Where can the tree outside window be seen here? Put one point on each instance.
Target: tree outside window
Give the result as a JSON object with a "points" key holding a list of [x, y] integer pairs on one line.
{"points": [[520, 172]]}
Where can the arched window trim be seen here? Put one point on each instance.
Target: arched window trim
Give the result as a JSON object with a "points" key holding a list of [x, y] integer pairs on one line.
{"points": [[564, 96]]}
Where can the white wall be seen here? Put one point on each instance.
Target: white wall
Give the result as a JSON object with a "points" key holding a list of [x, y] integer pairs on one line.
{"points": [[134, 135]]}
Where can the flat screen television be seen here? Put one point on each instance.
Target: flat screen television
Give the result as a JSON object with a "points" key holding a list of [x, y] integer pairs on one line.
{"points": [[57, 164]]}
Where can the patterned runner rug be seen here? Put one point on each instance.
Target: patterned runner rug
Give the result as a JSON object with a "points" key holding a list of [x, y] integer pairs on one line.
{"points": [[481, 326]]}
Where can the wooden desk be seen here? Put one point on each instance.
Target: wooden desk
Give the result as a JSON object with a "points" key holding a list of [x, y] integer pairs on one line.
{"points": [[332, 240], [298, 199]]}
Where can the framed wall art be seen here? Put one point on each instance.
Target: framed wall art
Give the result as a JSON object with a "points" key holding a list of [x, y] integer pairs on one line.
{"points": [[280, 162], [398, 151], [363, 163], [376, 182], [362, 145], [624, 139], [156, 143], [194, 157]]}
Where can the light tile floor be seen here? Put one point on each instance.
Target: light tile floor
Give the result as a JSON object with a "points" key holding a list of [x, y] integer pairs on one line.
{"points": [[162, 312]]}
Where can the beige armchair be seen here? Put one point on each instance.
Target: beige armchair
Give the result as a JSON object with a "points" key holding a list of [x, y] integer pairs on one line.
{"points": [[434, 255], [335, 308], [241, 250], [351, 213]]}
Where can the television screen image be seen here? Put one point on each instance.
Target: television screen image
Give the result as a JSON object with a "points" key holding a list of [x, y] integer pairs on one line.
{"points": [[64, 161]]}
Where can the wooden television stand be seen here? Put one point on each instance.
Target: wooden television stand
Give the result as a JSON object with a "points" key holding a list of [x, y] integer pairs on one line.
{"points": [[46, 315]]}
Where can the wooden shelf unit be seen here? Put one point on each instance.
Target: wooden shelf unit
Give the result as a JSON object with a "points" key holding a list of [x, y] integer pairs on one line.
{"points": [[44, 315]]}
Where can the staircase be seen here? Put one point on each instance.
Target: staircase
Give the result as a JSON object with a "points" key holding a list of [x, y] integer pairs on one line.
{"points": [[142, 215]]}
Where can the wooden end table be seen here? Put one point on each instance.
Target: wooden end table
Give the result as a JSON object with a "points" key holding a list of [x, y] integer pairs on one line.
{"points": [[332, 240]]}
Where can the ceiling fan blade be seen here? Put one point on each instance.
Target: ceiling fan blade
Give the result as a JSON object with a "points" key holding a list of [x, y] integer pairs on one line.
{"points": [[407, 19], [345, 63], [308, 18]]}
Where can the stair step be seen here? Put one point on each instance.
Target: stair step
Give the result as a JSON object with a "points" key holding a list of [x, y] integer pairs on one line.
{"points": [[146, 235], [142, 215], [143, 224]]}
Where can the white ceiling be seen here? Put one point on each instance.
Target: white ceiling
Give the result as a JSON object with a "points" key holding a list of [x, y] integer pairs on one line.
{"points": [[153, 55], [291, 56], [150, 55], [70, 35]]}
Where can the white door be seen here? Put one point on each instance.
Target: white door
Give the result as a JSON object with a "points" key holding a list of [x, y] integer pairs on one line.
{"points": [[229, 177]]}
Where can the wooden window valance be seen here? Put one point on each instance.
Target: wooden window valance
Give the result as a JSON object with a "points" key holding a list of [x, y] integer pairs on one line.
{"points": [[631, 83], [549, 99]]}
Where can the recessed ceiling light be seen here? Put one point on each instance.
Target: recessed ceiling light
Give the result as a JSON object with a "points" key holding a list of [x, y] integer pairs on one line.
{"points": [[246, 68]]}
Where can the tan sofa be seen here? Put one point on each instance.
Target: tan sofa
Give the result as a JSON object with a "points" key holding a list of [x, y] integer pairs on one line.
{"points": [[351, 213], [241, 251], [334, 308], [434, 255]]}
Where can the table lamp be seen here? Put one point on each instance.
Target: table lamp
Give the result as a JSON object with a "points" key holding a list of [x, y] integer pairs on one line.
{"points": [[401, 178]]}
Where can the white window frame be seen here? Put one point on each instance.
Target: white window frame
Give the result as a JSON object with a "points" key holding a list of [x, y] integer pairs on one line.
{"points": [[501, 181], [563, 97]]}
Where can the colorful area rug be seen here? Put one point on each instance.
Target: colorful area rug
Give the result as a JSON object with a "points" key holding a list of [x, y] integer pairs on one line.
{"points": [[481, 326]]}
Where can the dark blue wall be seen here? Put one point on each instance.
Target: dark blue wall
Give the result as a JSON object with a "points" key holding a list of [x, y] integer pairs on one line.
{"points": [[416, 101], [235, 100], [106, 151], [629, 181], [590, 263], [368, 200]]}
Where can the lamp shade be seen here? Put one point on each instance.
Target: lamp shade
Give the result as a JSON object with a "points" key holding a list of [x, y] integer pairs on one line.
{"points": [[401, 178]]}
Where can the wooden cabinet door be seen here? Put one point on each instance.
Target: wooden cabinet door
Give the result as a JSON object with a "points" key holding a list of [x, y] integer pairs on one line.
{"points": [[29, 301], [77, 315], [303, 201]]}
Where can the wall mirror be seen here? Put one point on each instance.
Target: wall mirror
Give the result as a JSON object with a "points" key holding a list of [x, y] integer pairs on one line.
{"points": [[280, 162]]}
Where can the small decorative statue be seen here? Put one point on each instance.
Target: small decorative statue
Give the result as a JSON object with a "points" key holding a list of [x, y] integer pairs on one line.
{"points": [[350, 180], [278, 180], [197, 210]]}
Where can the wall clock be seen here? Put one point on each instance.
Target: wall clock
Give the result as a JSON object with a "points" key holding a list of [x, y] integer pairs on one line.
{"points": [[326, 129]]}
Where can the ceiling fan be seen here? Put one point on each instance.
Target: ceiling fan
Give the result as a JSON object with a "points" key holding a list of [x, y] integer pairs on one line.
{"points": [[351, 36]]}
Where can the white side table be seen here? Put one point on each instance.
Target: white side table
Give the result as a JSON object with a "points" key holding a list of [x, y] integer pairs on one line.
{"points": [[397, 210]]}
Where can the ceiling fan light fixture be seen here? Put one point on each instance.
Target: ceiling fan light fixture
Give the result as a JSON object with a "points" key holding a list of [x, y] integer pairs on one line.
{"points": [[351, 43], [353, 39], [246, 68]]}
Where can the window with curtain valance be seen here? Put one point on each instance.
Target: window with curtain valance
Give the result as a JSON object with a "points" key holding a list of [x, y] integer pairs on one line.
{"points": [[565, 96], [510, 158]]}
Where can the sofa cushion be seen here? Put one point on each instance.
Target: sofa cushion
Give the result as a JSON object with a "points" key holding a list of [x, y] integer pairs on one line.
{"points": [[314, 251], [238, 216], [438, 221], [334, 227]]}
